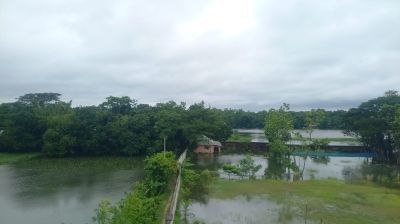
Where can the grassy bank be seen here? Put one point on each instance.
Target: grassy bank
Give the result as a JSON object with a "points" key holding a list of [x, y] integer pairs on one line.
{"points": [[328, 201], [7, 158]]}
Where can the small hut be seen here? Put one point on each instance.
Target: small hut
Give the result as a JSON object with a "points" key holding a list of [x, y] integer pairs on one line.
{"points": [[207, 145]]}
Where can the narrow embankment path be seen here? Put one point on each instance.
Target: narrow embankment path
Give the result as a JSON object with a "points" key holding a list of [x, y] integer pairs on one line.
{"points": [[171, 206]]}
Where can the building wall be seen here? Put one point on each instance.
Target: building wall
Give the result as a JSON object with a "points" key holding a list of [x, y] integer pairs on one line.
{"points": [[203, 149]]}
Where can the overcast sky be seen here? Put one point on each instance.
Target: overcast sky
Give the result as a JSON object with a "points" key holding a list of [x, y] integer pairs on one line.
{"points": [[230, 53]]}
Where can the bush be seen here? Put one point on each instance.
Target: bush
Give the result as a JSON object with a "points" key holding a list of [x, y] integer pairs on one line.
{"points": [[159, 169], [142, 205]]}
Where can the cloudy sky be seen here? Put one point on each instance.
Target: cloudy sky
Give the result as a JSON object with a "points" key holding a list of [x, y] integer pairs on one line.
{"points": [[230, 53]]}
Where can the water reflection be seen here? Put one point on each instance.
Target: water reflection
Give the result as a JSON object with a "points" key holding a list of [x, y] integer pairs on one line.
{"points": [[327, 165], [245, 209], [51, 192], [289, 209]]}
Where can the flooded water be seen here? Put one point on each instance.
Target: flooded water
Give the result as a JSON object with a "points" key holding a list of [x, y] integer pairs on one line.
{"points": [[257, 135], [326, 165], [62, 190], [243, 209], [259, 208]]}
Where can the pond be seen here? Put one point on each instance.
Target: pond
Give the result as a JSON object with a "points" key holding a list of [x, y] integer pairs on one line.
{"points": [[55, 191], [261, 208]]}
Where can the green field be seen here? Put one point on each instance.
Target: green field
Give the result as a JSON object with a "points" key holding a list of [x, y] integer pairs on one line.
{"points": [[327, 201]]}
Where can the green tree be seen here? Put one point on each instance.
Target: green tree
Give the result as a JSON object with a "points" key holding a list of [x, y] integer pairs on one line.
{"points": [[39, 99], [278, 128], [159, 169], [374, 123], [278, 124], [119, 105], [313, 119], [247, 167], [230, 169], [205, 121]]}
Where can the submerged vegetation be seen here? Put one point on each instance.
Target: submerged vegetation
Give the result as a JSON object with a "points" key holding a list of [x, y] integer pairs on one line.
{"points": [[195, 186], [327, 201], [246, 168]]}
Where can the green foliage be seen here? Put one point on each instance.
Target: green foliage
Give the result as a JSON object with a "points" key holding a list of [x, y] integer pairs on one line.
{"points": [[104, 213], [118, 126], [319, 143], [278, 124], [375, 123], [7, 158], [278, 128], [249, 120], [331, 201], [118, 105], [39, 99], [159, 169], [142, 205], [313, 119], [134, 208], [245, 168], [244, 119], [205, 121], [195, 186], [230, 169]]}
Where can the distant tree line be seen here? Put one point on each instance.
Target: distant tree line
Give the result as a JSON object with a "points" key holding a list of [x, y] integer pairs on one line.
{"points": [[41, 122], [248, 119]]}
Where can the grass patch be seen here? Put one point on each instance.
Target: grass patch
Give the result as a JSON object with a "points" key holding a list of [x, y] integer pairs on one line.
{"points": [[332, 201], [7, 158]]}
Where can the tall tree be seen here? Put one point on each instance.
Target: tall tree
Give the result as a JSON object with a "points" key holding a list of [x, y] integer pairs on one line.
{"points": [[278, 124], [119, 105], [278, 127], [39, 99], [374, 123]]}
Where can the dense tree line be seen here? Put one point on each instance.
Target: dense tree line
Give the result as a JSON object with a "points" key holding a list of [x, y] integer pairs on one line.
{"points": [[42, 122], [248, 119]]}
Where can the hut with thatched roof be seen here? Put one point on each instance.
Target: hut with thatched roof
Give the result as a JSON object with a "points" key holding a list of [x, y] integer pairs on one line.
{"points": [[207, 145]]}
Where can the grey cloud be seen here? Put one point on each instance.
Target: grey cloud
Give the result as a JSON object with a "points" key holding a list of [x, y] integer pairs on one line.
{"points": [[330, 54]]}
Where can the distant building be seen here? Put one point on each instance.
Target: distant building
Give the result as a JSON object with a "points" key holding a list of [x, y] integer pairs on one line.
{"points": [[207, 145]]}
